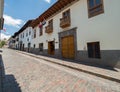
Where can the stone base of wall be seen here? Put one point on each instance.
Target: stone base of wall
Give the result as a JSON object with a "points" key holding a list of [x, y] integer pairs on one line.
{"points": [[44, 52], [108, 57]]}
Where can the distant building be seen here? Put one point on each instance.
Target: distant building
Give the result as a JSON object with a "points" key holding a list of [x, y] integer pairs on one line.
{"points": [[85, 30], [11, 42], [25, 37]]}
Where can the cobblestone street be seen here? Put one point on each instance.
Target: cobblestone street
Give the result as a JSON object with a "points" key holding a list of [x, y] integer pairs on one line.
{"points": [[28, 74]]}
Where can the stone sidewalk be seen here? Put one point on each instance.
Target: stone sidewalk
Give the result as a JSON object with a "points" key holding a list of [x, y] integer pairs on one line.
{"points": [[113, 75]]}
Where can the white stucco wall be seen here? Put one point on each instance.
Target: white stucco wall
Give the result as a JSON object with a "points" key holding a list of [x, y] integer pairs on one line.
{"points": [[45, 38], [35, 40], [104, 27], [16, 42], [24, 39]]}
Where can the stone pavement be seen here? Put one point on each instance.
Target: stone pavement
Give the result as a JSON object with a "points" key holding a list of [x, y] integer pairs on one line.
{"points": [[109, 74], [24, 73]]}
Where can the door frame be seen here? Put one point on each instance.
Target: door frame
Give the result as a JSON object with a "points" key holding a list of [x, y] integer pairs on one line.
{"points": [[70, 32]]}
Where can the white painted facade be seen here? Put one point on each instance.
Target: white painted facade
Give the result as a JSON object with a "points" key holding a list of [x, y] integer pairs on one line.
{"points": [[26, 36], [103, 28], [45, 38], [17, 42], [11, 43]]}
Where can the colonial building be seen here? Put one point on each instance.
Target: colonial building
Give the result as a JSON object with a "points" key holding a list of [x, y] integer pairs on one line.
{"points": [[16, 39], [25, 36], [11, 42], [86, 30]]}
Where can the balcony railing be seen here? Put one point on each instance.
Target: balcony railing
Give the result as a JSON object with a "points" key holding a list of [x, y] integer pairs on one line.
{"points": [[65, 22], [49, 29]]}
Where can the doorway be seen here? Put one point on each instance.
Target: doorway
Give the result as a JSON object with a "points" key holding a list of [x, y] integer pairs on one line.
{"points": [[29, 47], [51, 48], [68, 50]]}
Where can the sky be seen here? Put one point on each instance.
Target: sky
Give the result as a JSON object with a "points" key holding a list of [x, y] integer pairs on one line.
{"points": [[18, 12]]}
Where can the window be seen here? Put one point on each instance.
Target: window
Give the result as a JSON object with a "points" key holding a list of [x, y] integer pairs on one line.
{"points": [[26, 34], [65, 21], [95, 7], [40, 31], [34, 33], [34, 45], [93, 50], [13, 41], [23, 35], [29, 32], [41, 46], [51, 23], [17, 39], [66, 13], [49, 27], [28, 39]]}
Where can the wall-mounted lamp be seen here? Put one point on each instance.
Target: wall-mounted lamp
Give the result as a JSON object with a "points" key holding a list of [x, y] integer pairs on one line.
{"points": [[56, 42]]}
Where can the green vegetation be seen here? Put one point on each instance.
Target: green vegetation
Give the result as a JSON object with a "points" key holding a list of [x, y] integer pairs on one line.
{"points": [[2, 43]]}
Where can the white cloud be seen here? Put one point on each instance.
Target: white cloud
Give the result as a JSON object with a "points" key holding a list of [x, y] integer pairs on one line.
{"points": [[3, 36], [12, 22], [48, 1]]}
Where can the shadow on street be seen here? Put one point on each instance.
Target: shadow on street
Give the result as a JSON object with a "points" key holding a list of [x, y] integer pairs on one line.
{"points": [[8, 83]]}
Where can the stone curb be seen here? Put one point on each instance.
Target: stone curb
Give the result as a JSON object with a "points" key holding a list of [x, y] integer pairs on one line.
{"points": [[72, 67]]}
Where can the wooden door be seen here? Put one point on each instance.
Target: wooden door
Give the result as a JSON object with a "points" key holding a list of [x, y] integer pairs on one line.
{"points": [[64, 47], [48, 47], [29, 47], [23, 47], [51, 48], [68, 50], [71, 49]]}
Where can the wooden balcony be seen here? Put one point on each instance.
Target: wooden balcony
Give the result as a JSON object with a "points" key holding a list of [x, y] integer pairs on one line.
{"points": [[49, 29], [65, 22]]}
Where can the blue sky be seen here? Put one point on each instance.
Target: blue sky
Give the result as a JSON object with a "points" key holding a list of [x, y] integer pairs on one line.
{"points": [[17, 12]]}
